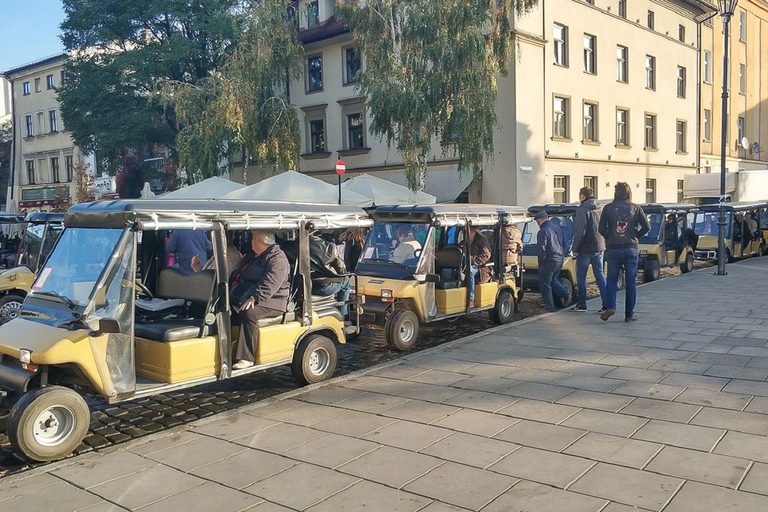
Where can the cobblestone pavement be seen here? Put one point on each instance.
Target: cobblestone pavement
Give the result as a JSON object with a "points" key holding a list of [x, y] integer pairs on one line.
{"points": [[113, 424]]}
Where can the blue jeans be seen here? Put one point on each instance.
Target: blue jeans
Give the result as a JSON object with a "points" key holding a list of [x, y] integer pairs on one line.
{"points": [[549, 282], [339, 290], [617, 259], [583, 261], [473, 272]]}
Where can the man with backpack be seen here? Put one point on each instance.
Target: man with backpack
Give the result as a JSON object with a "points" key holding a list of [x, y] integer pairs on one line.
{"points": [[550, 249], [588, 247], [622, 223]]}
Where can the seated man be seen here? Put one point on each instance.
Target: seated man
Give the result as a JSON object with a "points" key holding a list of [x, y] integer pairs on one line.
{"points": [[266, 274], [512, 244], [479, 254], [672, 233], [407, 245], [328, 271]]}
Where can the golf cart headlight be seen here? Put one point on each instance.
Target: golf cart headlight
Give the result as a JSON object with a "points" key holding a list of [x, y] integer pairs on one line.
{"points": [[25, 356], [386, 294], [644, 252]]}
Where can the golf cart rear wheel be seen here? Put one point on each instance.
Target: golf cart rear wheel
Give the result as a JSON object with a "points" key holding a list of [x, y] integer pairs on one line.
{"points": [[504, 309], [314, 360], [564, 302], [402, 329], [687, 265], [651, 270]]}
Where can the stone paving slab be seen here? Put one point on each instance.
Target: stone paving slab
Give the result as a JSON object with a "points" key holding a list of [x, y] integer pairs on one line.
{"points": [[561, 412]]}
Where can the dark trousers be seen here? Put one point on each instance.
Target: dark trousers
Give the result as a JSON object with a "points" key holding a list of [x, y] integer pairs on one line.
{"points": [[249, 331], [618, 259], [549, 281]]}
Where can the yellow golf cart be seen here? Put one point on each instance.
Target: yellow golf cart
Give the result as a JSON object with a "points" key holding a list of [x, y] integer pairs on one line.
{"points": [[88, 325], [671, 240], [562, 215], [423, 276], [740, 240], [37, 240]]}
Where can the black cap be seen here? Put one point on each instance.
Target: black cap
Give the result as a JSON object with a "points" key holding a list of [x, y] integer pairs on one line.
{"points": [[540, 215]]}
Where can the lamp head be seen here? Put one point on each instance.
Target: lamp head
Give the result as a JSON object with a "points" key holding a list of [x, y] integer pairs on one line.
{"points": [[727, 7]]}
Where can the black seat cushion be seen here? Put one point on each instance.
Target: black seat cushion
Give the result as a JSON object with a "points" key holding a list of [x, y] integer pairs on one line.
{"points": [[274, 320], [171, 330], [447, 285]]}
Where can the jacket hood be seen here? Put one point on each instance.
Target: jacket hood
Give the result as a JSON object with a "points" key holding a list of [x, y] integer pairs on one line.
{"points": [[590, 203]]}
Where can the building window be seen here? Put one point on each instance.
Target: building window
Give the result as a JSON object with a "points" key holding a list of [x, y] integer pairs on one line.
{"points": [[650, 131], [623, 8], [680, 136], [69, 168], [315, 73], [38, 88], [26, 88], [591, 2], [561, 45], [650, 190], [560, 117], [63, 77], [680, 191], [317, 136], [680, 82], [681, 33], [590, 122], [313, 14], [622, 127], [651, 20], [355, 131], [52, 121], [650, 72], [352, 65], [30, 172], [55, 170], [591, 182], [49, 82], [742, 79], [707, 67], [561, 190], [30, 126], [742, 25], [622, 64], [590, 54], [707, 124], [742, 130]]}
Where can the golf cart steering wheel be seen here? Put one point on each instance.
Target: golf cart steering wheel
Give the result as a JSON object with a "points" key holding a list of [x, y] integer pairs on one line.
{"points": [[143, 290]]}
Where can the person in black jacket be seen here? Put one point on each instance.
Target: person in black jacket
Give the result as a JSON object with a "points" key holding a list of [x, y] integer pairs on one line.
{"points": [[328, 271], [622, 223], [550, 248], [267, 270], [588, 247]]}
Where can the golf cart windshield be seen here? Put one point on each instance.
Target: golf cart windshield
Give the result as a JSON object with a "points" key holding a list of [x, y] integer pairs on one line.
{"points": [[656, 220], [395, 244], [706, 224], [37, 243]]}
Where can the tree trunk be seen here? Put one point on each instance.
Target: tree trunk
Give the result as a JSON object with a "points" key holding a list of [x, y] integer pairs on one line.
{"points": [[245, 167], [421, 161]]}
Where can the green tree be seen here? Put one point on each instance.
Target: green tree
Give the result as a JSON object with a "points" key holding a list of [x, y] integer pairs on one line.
{"points": [[430, 71], [119, 49], [243, 106]]}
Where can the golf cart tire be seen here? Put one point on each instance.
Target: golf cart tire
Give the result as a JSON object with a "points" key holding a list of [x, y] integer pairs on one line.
{"points": [[651, 270], [504, 310], [314, 360], [687, 265], [401, 330], [568, 285], [10, 307]]}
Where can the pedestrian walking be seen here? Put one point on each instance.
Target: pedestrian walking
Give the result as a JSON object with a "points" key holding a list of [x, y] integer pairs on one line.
{"points": [[550, 249], [622, 223], [588, 247]]}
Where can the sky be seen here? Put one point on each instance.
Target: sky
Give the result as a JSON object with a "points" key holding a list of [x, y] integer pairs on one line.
{"points": [[29, 31]]}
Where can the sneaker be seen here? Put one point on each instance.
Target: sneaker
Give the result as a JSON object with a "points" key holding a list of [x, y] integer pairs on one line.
{"points": [[579, 309], [242, 365], [600, 311], [605, 315], [632, 318]]}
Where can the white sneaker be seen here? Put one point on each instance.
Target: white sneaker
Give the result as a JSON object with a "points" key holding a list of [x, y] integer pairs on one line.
{"points": [[242, 365]]}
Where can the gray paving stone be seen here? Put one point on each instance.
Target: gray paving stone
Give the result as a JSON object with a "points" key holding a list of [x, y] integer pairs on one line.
{"points": [[660, 410], [539, 411], [403, 370], [746, 446], [331, 450], [408, 435], [11, 489], [279, 439], [207, 497], [758, 362], [628, 486], [617, 507], [604, 422], [664, 353], [381, 385], [542, 466], [165, 442], [481, 400], [747, 422], [61, 497], [585, 356], [593, 400], [713, 399], [371, 497], [420, 411], [490, 384], [540, 435], [637, 374], [353, 423], [525, 496], [329, 395], [695, 497], [614, 450], [629, 361], [436, 506], [436, 362], [461, 485], [747, 387], [703, 467], [432, 393], [732, 361], [536, 391], [472, 450], [647, 390], [438, 377], [678, 434], [274, 407], [758, 404], [669, 365], [97, 470], [595, 370], [756, 479], [141, 489], [197, 453], [305, 414], [533, 375], [104, 506], [476, 422], [244, 468], [695, 381], [372, 402], [390, 466], [591, 383], [266, 506], [736, 372], [315, 484], [235, 426]]}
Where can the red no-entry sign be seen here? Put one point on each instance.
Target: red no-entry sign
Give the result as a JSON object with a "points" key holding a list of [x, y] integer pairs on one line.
{"points": [[341, 168]]}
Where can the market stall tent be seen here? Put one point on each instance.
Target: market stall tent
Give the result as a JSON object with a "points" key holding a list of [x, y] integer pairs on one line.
{"points": [[384, 192], [211, 188]]}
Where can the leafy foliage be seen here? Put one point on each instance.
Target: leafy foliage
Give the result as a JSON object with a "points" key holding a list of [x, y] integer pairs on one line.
{"points": [[430, 71]]}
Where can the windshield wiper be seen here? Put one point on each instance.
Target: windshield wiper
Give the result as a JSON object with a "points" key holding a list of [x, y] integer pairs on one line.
{"points": [[66, 300]]}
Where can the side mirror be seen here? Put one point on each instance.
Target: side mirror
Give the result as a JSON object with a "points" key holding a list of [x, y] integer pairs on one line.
{"points": [[108, 326], [427, 278]]}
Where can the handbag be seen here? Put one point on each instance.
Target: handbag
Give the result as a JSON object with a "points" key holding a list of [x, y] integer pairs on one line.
{"points": [[240, 293]]}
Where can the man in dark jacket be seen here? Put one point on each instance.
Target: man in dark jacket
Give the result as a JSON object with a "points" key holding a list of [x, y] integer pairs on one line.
{"points": [[588, 247], [550, 248], [267, 269], [622, 223], [328, 271]]}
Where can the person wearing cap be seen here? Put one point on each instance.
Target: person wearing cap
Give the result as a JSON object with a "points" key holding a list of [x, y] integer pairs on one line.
{"points": [[550, 249]]}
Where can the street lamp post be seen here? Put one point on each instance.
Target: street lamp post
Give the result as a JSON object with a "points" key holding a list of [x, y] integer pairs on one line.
{"points": [[726, 8]]}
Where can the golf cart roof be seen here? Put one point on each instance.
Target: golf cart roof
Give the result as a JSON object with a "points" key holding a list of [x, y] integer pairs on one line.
{"points": [[740, 206], [204, 213], [667, 207], [554, 209], [11, 218], [45, 218], [452, 214]]}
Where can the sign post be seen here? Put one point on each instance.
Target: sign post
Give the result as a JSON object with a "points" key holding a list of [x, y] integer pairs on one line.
{"points": [[341, 168]]}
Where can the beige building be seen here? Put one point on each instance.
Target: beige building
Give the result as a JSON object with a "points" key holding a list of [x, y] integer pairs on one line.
{"points": [[44, 155], [597, 93], [747, 92], [5, 100]]}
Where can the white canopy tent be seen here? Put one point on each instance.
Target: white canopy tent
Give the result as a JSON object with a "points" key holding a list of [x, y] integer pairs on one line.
{"points": [[384, 192], [296, 187], [212, 188]]}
